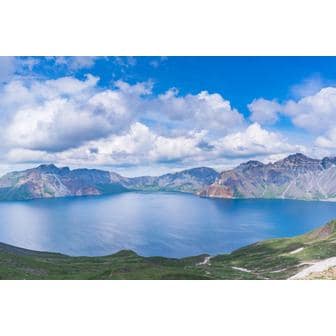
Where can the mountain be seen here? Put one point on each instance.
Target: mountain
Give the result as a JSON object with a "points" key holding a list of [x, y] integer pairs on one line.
{"points": [[295, 177], [190, 180], [48, 181], [309, 256]]}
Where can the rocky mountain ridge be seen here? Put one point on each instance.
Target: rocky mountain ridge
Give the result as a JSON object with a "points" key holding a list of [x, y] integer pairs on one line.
{"points": [[48, 181], [294, 177]]}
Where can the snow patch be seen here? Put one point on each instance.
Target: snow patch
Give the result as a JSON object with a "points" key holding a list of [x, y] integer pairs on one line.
{"points": [[318, 267], [297, 250]]}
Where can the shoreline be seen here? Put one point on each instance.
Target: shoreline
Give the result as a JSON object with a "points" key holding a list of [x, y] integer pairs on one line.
{"points": [[76, 197], [274, 259]]}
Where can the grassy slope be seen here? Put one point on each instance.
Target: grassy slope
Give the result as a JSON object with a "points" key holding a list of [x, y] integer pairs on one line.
{"points": [[269, 259]]}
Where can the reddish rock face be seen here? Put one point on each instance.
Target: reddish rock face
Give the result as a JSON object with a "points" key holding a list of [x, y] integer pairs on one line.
{"points": [[216, 191], [323, 232]]}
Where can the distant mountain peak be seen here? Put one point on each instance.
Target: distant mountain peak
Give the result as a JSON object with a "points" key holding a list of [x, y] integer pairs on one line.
{"points": [[250, 164], [328, 161], [298, 157], [297, 160], [51, 168], [43, 166], [199, 170]]}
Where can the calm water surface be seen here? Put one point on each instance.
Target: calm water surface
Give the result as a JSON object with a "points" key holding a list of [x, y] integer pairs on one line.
{"points": [[165, 224]]}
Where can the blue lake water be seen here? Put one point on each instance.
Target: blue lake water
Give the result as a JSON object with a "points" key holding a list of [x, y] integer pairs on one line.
{"points": [[165, 224]]}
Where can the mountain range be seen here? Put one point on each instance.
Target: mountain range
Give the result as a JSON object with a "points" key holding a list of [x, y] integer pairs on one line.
{"points": [[294, 177], [47, 181]]}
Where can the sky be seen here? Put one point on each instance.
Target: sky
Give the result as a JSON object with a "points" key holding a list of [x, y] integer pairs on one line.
{"points": [[152, 115]]}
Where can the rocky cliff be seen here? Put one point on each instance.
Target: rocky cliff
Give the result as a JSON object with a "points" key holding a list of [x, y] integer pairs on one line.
{"points": [[48, 181], [295, 177]]}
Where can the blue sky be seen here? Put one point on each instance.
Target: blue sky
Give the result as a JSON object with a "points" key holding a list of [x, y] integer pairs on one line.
{"points": [[149, 115]]}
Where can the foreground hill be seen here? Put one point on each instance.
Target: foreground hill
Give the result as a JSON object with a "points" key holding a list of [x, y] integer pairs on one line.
{"points": [[295, 177], [309, 256], [48, 181]]}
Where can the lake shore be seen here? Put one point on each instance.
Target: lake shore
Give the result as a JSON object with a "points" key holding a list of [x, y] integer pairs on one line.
{"points": [[283, 258], [173, 225]]}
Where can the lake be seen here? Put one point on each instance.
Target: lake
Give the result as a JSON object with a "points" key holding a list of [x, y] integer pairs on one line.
{"points": [[164, 224]]}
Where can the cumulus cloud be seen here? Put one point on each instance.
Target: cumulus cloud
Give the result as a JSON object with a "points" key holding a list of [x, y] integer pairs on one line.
{"points": [[327, 141], [11, 66], [76, 62], [315, 113], [72, 121], [142, 146], [61, 113], [254, 141], [138, 146], [58, 114], [202, 110], [308, 87], [264, 111]]}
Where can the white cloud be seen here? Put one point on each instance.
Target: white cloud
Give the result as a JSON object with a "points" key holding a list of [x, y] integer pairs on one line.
{"points": [[328, 141], [62, 113], [76, 62], [75, 122], [316, 113], [19, 93], [143, 88], [155, 63], [308, 87], [58, 114], [125, 61], [139, 146], [264, 111], [57, 124], [202, 111], [254, 141], [142, 147], [21, 155], [11, 66], [67, 118]]}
